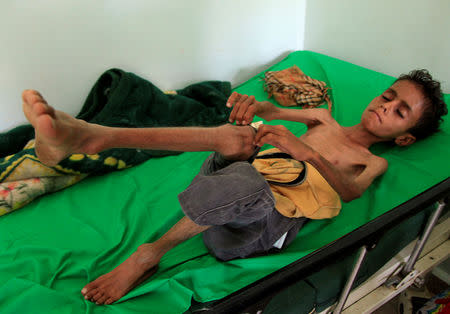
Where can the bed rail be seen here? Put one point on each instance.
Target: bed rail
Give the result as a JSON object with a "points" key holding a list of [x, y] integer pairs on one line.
{"points": [[302, 268]]}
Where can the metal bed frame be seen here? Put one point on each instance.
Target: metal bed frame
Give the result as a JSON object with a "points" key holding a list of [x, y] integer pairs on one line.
{"points": [[363, 238]]}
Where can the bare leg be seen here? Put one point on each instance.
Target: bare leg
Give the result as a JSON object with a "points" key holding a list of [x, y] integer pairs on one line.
{"points": [[140, 265], [59, 135]]}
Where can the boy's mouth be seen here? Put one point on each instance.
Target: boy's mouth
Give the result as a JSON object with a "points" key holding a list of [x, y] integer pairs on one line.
{"points": [[378, 116]]}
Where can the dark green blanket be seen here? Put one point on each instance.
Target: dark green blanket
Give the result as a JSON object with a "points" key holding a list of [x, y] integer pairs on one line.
{"points": [[119, 99]]}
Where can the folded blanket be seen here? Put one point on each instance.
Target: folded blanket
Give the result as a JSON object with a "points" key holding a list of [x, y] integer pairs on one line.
{"points": [[119, 99], [291, 87]]}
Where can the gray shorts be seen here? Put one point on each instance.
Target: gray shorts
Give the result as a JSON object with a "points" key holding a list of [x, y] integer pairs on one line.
{"points": [[237, 202]]}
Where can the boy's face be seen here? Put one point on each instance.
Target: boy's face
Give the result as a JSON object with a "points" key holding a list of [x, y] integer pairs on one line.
{"points": [[390, 115]]}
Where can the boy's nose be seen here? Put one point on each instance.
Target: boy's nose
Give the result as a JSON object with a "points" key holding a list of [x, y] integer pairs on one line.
{"points": [[388, 106]]}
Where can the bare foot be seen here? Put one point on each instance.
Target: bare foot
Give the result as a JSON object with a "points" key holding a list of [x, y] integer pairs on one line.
{"points": [[236, 142], [134, 270], [58, 135]]}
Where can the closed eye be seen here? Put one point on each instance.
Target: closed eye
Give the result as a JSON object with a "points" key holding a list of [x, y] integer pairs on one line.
{"points": [[400, 113], [386, 98]]}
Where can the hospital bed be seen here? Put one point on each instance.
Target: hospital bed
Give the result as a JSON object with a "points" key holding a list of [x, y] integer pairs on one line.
{"points": [[52, 247]]}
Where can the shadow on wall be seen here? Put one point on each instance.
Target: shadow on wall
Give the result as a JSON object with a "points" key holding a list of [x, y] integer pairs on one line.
{"points": [[246, 73]]}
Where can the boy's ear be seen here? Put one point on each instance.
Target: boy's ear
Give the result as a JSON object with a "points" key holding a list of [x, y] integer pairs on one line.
{"points": [[405, 140]]}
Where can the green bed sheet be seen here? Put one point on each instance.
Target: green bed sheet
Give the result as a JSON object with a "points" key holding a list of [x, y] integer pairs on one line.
{"points": [[54, 246]]}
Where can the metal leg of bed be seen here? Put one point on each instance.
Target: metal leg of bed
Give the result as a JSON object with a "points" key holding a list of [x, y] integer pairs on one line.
{"points": [[421, 242], [348, 286], [407, 272]]}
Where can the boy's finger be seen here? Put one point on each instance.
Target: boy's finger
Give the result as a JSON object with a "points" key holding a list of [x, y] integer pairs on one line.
{"points": [[242, 108], [265, 129], [249, 115], [249, 100], [268, 138], [262, 130], [234, 112], [232, 99], [246, 105]]}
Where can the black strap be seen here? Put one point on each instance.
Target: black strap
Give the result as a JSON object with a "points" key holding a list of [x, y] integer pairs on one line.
{"points": [[297, 181]]}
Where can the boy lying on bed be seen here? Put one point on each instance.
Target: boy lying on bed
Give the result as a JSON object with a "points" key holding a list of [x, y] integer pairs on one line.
{"points": [[229, 200]]}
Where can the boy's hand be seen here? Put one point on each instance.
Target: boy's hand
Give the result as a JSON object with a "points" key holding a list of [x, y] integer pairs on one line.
{"points": [[280, 137], [246, 107]]}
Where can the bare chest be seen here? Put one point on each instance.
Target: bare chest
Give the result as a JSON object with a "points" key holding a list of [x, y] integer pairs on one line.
{"points": [[337, 149]]}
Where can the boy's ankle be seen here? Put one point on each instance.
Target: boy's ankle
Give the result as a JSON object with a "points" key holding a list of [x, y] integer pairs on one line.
{"points": [[94, 139]]}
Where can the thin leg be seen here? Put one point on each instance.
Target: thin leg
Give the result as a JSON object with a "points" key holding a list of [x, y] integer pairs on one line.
{"points": [[59, 135], [140, 265]]}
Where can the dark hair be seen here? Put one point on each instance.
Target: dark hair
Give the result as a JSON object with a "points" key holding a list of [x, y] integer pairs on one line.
{"points": [[435, 106]]}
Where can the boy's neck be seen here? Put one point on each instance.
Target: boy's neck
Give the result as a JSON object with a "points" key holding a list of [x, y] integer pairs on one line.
{"points": [[359, 135]]}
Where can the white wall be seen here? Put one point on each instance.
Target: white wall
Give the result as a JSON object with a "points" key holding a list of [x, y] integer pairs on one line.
{"points": [[390, 36], [61, 47]]}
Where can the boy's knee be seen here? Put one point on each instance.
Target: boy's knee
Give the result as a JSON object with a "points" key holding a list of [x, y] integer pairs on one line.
{"points": [[237, 192]]}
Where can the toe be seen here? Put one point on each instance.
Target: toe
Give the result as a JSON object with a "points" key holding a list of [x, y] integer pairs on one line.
{"points": [[110, 300], [102, 299], [31, 97], [37, 103], [40, 108], [89, 287], [26, 94], [35, 106], [90, 293], [97, 296], [86, 289]]}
